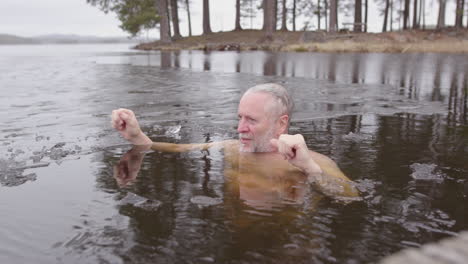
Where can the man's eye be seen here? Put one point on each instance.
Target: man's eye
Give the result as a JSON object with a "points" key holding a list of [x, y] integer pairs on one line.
{"points": [[248, 119]]}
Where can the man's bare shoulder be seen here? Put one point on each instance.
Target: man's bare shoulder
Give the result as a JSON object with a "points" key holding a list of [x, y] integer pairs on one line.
{"points": [[322, 159], [229, 142], [230, 145]]}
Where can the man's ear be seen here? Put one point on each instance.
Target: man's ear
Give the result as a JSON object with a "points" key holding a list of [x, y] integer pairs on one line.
{"points": [[283, 124]]}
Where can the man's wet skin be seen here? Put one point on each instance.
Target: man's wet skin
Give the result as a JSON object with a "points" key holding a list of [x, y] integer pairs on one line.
{"points": [[261, 180], [264, 148], [265, 180], [257, 186]]}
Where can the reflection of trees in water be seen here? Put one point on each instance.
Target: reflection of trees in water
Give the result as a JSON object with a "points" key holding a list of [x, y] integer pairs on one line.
{"points": [[165, 177], [177, 59], [403, 73], [465, 96], [283, 66], [269, 65], [457, 104], [397, 206], [166, 59], [436, 94], [206, 61], [172, 178], [398, 209], [331, 75], [175, 230], [355, 78], [408, 139], [410, 74], [382, 156], [238, 62]]}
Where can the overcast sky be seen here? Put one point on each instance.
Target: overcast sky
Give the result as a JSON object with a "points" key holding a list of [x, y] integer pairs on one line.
{"points": [[39, 17]]}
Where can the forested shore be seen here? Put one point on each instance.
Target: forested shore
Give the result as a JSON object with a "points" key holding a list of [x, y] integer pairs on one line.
{"points": [[449, 40], [299, 25]]}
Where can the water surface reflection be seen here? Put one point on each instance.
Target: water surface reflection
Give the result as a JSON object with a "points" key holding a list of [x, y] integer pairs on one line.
{"points": [[417, 76], [395, 123]]}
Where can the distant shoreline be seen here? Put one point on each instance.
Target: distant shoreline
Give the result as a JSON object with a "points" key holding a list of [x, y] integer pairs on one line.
{"points": [[448, 40], [57, 43], [7, 39]]}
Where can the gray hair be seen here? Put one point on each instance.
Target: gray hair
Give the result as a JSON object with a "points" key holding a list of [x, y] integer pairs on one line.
{"points": [[280, 95]]}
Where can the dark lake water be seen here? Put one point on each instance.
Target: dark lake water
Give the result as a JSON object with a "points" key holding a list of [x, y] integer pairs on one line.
{"points": [[396, 124]]}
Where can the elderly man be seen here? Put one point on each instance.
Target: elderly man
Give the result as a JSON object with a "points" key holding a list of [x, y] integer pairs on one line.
{"points": [[264, 147]]}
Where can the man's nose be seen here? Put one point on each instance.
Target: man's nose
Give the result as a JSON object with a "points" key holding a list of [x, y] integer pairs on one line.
{"points": [[242, 126]]}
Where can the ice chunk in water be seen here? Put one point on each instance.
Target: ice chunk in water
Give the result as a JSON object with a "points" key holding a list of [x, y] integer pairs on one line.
{"points": [[169, 131], [140, 202], [356, 137], [173, 130], [425, 172], [205, 200]]}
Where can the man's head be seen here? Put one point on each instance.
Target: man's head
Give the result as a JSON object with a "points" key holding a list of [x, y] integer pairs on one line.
{"points": [[264, 113]]}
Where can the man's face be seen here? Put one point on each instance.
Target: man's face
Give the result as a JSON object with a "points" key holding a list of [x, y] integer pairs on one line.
{"points": [[256, 123]]}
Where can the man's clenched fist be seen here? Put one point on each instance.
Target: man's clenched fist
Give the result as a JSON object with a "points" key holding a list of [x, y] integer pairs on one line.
{"points": [[294, 149], [124, 121]]}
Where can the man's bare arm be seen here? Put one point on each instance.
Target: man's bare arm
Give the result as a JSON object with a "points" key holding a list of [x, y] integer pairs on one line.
{"points": [[320, 170], [124, 121], [171, 147], [331, 180]]}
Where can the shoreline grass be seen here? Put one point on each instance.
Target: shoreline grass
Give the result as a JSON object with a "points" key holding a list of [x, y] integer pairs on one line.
{"points": [[439, 41]]}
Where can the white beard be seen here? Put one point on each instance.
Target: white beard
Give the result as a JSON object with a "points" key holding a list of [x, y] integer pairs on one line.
{"points": [[259, 144]]}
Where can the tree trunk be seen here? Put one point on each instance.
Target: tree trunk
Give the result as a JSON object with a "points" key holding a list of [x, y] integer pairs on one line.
{"points": [[463, 12], [336, 17], [251, 15], [269, 18], [358, 16], [238, 25], [391, 15], [333, 16], [406, 14], [284, 16], [206, 17], [294, 15], [459, 13], [384, 27], [169, 18], [421, 3], [423, 12], [175, 19], [276, 15], [326, 15], [318, 14], [415, 14], [441, 17], [164, 34], [366, 9], [189, 18], [400, 16]]}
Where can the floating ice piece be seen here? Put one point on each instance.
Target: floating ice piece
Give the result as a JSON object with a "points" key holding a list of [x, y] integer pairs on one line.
{"points": [[15, 178], [140, 202], [205, 200], [356, 136], [425, 172], [173, 130]]}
